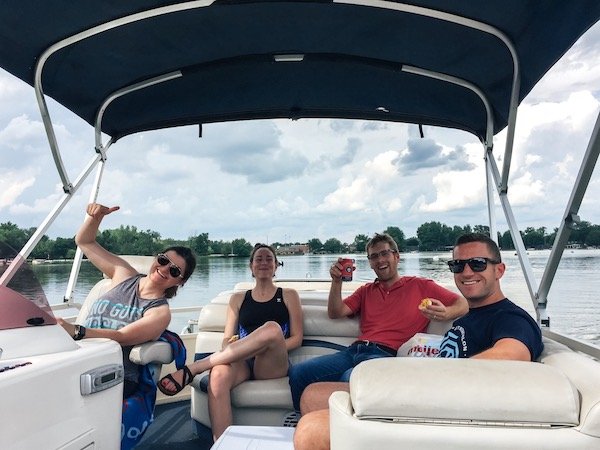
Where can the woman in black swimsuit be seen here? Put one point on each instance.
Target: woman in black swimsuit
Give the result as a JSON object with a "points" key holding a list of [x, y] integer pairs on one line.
{"points": [[262, 326]]}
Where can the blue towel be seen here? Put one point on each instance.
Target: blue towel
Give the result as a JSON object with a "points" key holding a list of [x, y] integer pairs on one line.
{"points": [[138, 409]]}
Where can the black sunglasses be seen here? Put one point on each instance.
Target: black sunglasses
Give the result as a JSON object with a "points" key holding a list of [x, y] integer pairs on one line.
{"points": [[477, 264], [163, 260]]}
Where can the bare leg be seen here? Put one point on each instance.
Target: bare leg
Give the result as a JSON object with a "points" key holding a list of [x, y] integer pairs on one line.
{"points": [[223, 378], [266, 343], [312, 432], [316, 395]]}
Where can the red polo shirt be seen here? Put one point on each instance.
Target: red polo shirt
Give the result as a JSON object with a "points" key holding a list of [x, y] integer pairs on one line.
{"points": [[391, 317]]}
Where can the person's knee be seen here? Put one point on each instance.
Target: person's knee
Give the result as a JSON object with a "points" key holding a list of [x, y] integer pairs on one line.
{"points": [[220, 379], [316, 395], [312, 432], [269, 333]]}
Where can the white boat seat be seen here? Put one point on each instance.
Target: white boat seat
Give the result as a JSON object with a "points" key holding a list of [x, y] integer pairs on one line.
{"points": [[269, 402], [158, 352], [421, 403]]}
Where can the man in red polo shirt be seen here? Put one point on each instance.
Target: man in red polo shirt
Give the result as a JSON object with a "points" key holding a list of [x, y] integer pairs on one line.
{"points": [[388, 311]]}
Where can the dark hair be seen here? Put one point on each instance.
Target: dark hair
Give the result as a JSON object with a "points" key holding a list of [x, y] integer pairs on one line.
{"points": [[190, 264], [259, 246], [484, 239], [382, 237]]}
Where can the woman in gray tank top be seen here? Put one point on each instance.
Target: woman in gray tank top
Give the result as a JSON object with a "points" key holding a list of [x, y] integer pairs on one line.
{"points": [[252, 348], [135, 309]]}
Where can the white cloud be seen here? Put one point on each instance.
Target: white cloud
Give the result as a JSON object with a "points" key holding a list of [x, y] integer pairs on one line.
{"points": [[526, 191], [456, 190], [352, 197], [12, 185]]}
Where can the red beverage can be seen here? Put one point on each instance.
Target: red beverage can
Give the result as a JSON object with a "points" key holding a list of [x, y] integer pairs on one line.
{"points": [[347, 269]]}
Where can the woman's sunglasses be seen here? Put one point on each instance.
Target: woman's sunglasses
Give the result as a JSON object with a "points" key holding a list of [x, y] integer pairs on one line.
{"points": [[478, 264], [163, 260]]}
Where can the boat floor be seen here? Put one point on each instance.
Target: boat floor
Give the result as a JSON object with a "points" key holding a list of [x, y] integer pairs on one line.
{"points": [[173, 429]]}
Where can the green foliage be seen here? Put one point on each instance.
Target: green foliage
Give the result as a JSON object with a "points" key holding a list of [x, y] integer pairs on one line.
{"points": [[360, 242], [333, 245], [61, 248], [315, 244], [534, 238], [431, 236], [12, 239], [412, 243], [593, 237], [437, 236], [200, 244], [127, 240], [241, 247], [506, 242], [397, 234]]}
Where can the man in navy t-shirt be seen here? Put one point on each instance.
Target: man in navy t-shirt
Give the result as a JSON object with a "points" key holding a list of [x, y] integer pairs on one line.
{"points": [[494, 327]]}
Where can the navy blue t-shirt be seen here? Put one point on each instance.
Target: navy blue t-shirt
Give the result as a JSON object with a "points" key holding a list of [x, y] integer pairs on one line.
{"points": [[482, 327]]}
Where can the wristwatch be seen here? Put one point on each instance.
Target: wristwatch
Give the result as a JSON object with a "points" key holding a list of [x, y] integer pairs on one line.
{"points": [[79, 332]]}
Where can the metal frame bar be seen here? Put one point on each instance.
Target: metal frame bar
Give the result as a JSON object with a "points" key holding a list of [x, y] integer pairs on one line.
{"points": [[69, 188], [470, 23], [489, 135], [573, 343], [43, 227], [39, 92], [490, 194], [488, 144], [516, 236], [68, 297], [124, 91], [101, 149], [492, 173], [570, 217]]}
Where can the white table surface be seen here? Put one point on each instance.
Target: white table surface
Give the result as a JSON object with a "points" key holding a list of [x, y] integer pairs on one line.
{"points": [[245, 437]]}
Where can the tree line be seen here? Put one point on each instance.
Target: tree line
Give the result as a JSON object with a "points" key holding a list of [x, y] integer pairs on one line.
{"points": [[128, 240]]}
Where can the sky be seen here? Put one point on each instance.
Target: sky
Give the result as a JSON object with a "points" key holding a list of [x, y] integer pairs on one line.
{"points": [[290, 181]]}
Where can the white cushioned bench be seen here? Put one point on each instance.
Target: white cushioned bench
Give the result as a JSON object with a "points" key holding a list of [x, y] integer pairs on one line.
{"points": [[420, 403], [266, 402], [269, 402]]}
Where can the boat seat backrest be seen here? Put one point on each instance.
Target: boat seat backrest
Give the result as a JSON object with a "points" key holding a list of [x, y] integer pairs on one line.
{"points": [[318, 328], [265, 402], [459, 403], [268, 402], [584, 373]]}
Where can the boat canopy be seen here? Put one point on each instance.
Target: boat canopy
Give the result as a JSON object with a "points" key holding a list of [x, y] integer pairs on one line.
{"points": [[138, 65], [447, 63]]}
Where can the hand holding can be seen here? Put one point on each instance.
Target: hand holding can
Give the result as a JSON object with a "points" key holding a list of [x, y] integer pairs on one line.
{"points": [[347, 268]]}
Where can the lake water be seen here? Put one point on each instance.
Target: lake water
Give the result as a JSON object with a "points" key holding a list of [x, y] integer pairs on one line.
{"points": [[572, 303]]}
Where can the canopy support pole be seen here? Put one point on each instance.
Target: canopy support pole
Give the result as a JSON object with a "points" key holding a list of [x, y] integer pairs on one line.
{"points": [[516, 236], [68, 298], [570, 217], [43, 227], [489, 180]]}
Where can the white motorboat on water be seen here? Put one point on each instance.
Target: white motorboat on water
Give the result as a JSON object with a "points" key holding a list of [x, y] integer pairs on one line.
{"points": [[128, 67]]}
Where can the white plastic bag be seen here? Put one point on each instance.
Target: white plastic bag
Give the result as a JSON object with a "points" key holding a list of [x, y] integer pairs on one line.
{"points": [[421, 345]]}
